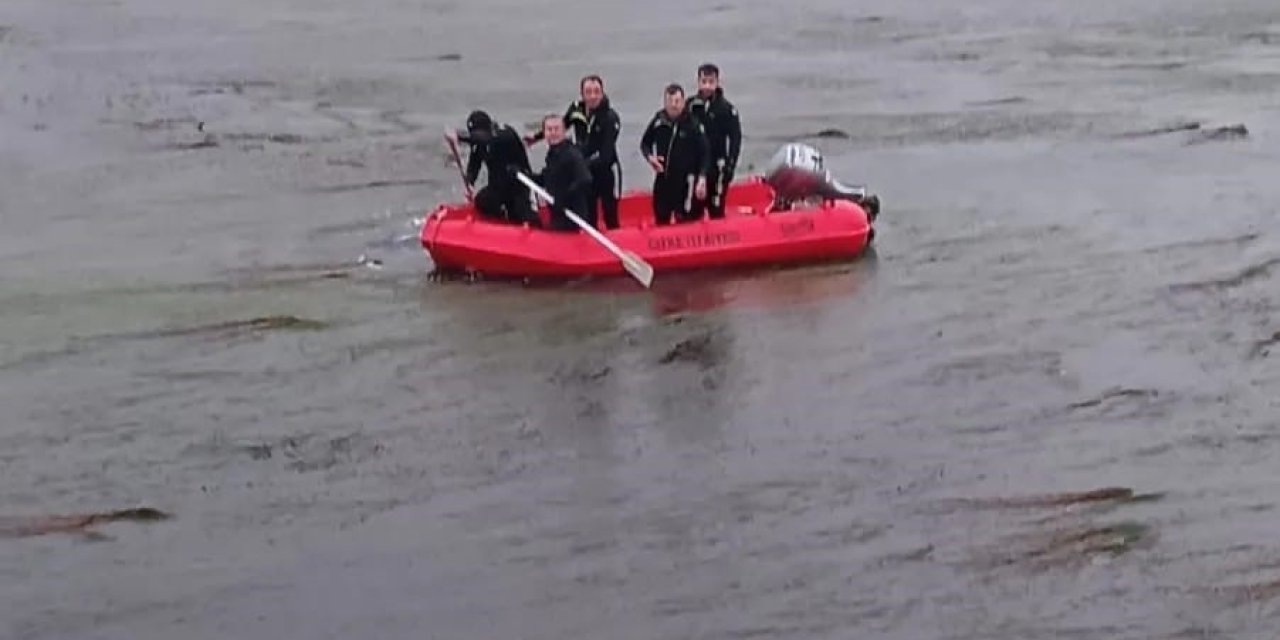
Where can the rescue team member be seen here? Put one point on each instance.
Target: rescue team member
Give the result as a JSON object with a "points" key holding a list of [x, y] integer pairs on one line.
{"points": [[724, 135], [595, 127], [502, 152], [675, 146], [565, 176]]}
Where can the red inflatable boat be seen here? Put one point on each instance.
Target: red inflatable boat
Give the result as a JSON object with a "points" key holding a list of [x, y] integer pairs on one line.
{"points": [[751, 233]]}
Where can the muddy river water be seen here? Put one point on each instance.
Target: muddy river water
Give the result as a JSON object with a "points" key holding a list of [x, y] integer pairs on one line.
{"points": [[1044, 407]]}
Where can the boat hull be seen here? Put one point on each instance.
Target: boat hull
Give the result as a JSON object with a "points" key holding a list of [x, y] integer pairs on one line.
{"points": [[749, 234]]}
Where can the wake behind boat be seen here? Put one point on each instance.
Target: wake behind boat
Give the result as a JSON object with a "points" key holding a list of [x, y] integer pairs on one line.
{"points": [[795, 213]]}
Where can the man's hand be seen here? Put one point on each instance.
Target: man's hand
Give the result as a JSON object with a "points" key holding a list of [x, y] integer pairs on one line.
{"points": [[655, 162], [451, 135], [529, 140], [700, 188]]}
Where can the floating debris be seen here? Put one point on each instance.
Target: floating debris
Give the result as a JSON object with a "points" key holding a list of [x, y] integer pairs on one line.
{"points": [[1113, 395], [1176, 127], [1250, 593], [230, 86], [376, 184], [167, 123], [700, 349], [1066, 536], [344, 162], [1104, 494], [1070, 546], [278, 138], [580, 374], [1218, 134], [209, 142], [261, 323], [306, 454], [828, 134], [999, 102], [1262, 348], [80, 524], [1246, 275]]}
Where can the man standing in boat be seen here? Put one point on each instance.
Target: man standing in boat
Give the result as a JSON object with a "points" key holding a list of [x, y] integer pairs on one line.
{"points": [[565, 176], [675, 145], [501, 151], [595, 127], [724, 136]]}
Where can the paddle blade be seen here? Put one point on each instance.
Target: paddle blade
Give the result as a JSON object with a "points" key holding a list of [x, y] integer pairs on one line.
{"points": [[638, 268]]}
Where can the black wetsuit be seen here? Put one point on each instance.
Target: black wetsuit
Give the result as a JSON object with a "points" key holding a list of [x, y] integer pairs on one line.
{"points": [[682, 146], [596, 134], [566, 178], [720, 120], [502, 154]]}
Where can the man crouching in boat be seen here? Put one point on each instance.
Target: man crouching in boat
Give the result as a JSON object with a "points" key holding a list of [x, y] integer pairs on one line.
{"points": [[797, 175], [565, 176], [501, 151]]}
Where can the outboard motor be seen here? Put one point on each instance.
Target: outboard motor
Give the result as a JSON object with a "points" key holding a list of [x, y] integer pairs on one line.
{"points": [[796, 173]]}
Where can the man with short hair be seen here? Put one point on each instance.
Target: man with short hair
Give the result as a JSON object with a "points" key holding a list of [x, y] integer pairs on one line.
{"points": [[565, 176], [724, 137], [501, 151], [675, 146], [595, 127]]}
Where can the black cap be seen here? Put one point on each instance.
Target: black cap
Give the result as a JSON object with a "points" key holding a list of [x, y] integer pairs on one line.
{"points": [[479, 121]]}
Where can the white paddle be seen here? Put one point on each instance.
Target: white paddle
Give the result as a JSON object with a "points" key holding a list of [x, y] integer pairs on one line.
{"points": [[638, 268]]}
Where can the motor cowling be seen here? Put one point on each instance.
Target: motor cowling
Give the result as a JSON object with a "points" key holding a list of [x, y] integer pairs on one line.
{"points": [[796, 173]]}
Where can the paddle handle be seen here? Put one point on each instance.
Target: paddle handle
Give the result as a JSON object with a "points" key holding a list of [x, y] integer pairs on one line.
{"points": [[595, 233], [634, 265], [457, 160]]}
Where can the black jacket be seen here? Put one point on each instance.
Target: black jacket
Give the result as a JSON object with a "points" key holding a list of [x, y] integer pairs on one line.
{"points": [[502, 154], [595, 132], [565, 176], [720, 119], [682, 144]]}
